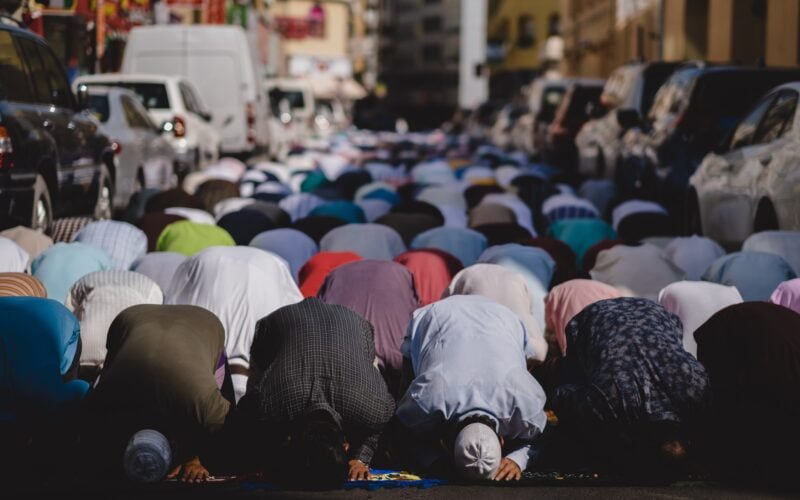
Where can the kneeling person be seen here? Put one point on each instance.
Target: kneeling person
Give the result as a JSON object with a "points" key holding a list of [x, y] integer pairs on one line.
{"points": [[471, 389], [315, 394]]}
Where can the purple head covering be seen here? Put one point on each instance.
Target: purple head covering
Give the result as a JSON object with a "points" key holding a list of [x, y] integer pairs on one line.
{"points": [[385, 296]]}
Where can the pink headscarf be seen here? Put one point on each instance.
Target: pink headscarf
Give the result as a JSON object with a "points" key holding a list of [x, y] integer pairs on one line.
{"points": [[568, 299], [787, 295]]}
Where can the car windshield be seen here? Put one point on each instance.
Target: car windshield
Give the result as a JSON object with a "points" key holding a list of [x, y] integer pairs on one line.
{"points": [[295, 98], [151, 95], [551, 98], [673, 97], [654, 77], [98, 106], [719, 100], [580, 99]]}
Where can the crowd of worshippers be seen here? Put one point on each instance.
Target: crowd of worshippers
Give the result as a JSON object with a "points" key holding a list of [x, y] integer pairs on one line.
{"points": [[460, 315]]}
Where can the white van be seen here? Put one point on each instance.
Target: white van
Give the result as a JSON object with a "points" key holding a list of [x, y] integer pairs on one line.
{"points": [[219, 61]]}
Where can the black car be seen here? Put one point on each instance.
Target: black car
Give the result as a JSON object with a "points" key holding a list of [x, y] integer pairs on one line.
{"points": [[573, 112], [54, 161]]}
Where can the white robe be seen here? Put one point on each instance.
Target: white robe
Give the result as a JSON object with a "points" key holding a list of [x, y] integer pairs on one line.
{"points": [[694, 302], [240, 285]]}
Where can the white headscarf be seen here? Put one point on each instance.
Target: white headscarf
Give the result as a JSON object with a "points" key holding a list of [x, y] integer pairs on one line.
{"points": [[512, 202], [694, 302], [240, 285], [783, 243], [192, 214], [506, 287], [644, 269], [631, 207], [97, 298], [693, 254], [13, 258], [159, 266], [370, 241]]}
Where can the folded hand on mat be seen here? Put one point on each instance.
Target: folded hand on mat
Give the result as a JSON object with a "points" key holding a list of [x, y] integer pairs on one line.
{"points": [[359, 471], [191, 471]]}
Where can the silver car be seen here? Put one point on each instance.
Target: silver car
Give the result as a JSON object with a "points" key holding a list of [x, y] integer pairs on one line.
{"points": [[144, 158], [629, 90], [753, 183]]}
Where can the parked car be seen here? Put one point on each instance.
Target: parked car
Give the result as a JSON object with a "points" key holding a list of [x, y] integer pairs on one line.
{"points": [[501, 131], [580, 101], [218, 59], [543, 97], [54, 159], [145, 159], [752, 182], [627, 95], [694, 112], [173, 104], [330, 116], [291, 118]]}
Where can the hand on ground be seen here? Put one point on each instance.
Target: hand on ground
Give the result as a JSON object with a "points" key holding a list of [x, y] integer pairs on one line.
{"points": [[508, 471], [359, 471], [190, 472]]}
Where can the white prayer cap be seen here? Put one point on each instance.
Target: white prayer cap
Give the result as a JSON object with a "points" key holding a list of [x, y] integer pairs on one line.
{"points": [[477, 452], [147, 457]]}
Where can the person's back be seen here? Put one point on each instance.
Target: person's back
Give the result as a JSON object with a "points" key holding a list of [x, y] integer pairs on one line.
{"points": [[159, 365], [313, 350], [469, 353], [315, 394]]}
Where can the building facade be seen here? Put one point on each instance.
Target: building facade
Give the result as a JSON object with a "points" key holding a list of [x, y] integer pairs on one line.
{"points": [[518, 32], [419, 58], [600, 35], [740, 31]]}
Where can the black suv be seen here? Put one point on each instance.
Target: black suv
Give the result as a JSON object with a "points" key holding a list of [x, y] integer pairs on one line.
{"points": [[54, 161]]}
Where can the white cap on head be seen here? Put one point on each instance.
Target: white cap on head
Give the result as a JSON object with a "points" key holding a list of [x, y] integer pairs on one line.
{"points": [[477, 452]]}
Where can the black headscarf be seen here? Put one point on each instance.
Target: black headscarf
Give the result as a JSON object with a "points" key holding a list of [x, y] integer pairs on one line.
{"points": [[243, 225]]}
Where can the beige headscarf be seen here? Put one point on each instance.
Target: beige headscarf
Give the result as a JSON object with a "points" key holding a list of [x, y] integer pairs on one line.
{"points": [[568, 299], [31, 241], [505, 287]]}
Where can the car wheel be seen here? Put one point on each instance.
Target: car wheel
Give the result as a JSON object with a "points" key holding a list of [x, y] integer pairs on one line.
{"points": [[139, 184], [766, 219], [692, 222], [105, 195], [42, 209], [600, 163]]}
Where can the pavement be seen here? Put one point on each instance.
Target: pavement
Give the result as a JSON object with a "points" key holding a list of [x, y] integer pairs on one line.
{"points": [[524, 489], [689, 491]]}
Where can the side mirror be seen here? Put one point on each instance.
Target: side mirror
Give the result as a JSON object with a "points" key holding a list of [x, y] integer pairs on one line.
{"points": [[628, 118], [82, 97]]}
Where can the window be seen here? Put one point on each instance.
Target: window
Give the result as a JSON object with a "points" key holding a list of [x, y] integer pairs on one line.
{"points": [[432, 24], [134, 117], [743, 135], [98, 106], [36, 70], [151, 95], [432, 52], [60, 93], [778, 120], [526, 31], [554, 25], [14, 84], [189, 99]]}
